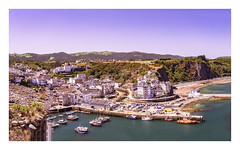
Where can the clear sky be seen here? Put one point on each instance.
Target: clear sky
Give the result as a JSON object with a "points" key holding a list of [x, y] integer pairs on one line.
{"points": [[185, 32]]}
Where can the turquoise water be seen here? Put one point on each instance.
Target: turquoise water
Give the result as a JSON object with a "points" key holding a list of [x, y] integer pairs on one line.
{"points": [[217, 89], [216, 127]]}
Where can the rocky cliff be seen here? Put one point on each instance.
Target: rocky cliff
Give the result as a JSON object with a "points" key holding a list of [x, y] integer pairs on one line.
{"points": [[203, 72]]}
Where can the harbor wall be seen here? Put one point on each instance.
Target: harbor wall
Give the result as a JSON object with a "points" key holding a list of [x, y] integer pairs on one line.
{"points": [[163, 99], [199, 119]]}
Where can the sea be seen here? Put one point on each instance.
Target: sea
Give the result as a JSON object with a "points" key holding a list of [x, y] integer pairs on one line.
{"points": [[215, 127]]}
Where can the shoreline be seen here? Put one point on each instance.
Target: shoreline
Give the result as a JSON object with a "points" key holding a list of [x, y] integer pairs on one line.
{"points": [[189, 107], [184, 88]]}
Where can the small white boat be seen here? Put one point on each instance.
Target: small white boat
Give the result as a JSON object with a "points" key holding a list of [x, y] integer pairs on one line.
{"points": [[147, 118], [54, 125], [96, 122], [131, 117], [62, 121], [72, 117], [81, 129]]}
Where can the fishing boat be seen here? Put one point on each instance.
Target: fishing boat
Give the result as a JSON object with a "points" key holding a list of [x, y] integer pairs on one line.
{"points": [[62, 121], [54, 125], [96, 122], [104, 119], [60, 115], [131, 117], [81, 129], [147, 118], [68, 113], [50, 118], [72, 117], [186, 121], [107, 118]]}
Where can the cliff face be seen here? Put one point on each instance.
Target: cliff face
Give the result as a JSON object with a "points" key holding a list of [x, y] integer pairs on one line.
{"points": [[203, 72], [185, 70], [28, 130], [162, 74]]}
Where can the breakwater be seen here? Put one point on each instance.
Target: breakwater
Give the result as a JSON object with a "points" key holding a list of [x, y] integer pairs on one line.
{"points": [[199, 119]]}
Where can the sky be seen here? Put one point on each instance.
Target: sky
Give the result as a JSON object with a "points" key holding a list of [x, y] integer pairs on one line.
{"points": [[185, 32]]}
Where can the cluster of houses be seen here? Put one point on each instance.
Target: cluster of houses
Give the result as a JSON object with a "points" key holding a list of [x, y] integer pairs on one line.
{"points": [[66, 68], [150, 87], [67, 93]]}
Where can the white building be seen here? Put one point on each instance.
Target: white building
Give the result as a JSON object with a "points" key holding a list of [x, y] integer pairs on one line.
{"points": [[87, 98], [144, 91], [166, 86], [194, 93], [41, 82], [117, 85], [67, 68]]}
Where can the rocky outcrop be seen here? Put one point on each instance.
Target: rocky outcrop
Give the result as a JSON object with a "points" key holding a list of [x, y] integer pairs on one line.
{"points": [[34, 130], [203, 72], [162, 74]]}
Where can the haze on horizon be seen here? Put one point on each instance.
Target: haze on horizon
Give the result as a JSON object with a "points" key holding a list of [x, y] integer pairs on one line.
{"points": [[184, 32]]}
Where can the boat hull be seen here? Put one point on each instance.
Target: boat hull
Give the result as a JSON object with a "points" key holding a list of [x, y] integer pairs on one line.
{"points": [[97, 125]]}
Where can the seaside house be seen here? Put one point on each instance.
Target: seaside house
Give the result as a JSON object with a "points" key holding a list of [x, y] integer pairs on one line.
{"points": [[194, 93]]}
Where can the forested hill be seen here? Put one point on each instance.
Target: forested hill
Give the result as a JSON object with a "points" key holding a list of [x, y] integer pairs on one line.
{"points": [[105, 55]]}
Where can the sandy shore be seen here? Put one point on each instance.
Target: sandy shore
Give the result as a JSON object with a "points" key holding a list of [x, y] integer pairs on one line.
{"points": [[189, 107], [183, 89]]}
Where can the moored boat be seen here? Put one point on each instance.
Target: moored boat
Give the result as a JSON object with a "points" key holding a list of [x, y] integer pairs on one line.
{"points": [[104, 119], [50, 118], [54, 125], [186, 121], [62, 121], [72, 117], [96, 122], [81, 129], [131, 117], [147, 118]]}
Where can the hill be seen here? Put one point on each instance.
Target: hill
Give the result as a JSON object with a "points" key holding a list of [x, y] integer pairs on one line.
{"points": [[105, 55]]}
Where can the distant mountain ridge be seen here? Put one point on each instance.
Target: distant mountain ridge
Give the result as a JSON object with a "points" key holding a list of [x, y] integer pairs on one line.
{"points": [[105, 55]]}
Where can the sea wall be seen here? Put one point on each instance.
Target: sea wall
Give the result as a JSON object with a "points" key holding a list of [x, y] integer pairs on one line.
{"points": [[199, 119]]}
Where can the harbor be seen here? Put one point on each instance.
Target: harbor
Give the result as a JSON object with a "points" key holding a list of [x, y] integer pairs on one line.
{"points": [[120, 124], [121, 128]]}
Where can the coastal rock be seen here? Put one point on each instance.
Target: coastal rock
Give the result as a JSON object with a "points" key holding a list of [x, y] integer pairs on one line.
{"points": [[204, 72], [162, 74]]}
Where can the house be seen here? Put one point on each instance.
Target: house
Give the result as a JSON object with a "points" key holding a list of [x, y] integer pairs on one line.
{"points": [[41, 82], [194, 93], [144, 91], [67, 68], [18, 80]]}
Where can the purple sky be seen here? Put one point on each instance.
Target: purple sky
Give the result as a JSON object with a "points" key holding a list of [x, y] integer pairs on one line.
{"points": [[183, 32]]}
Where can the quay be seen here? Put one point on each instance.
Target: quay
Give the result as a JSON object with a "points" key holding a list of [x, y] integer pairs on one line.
{"points": [[175, 117], [199, 119], [60, 109]]}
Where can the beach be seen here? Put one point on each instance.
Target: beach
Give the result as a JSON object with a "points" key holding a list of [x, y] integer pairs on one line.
{"points": [[184, 88]]}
